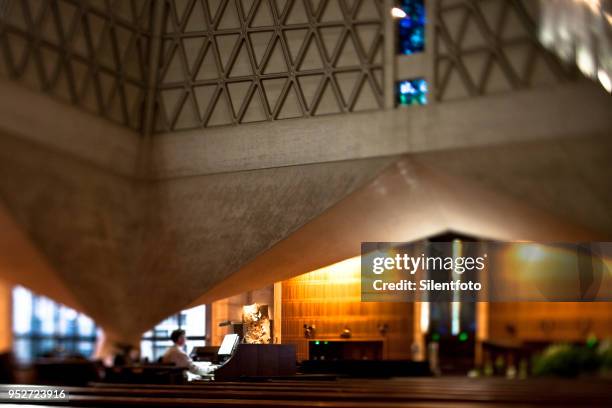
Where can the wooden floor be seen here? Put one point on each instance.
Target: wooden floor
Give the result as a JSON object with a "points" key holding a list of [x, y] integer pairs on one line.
{"points": [[414, 392]]}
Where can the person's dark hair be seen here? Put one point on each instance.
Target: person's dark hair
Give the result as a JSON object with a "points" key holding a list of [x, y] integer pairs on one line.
{"points": [[176, 334]]}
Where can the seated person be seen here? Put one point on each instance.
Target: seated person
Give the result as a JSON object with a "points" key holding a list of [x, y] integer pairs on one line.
{"points": [[177, 356]]}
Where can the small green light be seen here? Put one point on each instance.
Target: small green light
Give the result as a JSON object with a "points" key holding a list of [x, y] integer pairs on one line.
{"points": [[435, 337], [463, 336], [591, 341], [317, 342], [325, 342]]}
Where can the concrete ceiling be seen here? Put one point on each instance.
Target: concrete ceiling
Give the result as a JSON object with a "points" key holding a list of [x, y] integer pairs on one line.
{"points": [[116, 243], [527, 191]]}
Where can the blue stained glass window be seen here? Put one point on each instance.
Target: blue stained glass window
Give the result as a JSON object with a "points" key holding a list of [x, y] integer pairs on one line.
{"points": [[42, 326], [411, 29], [412, 92]]}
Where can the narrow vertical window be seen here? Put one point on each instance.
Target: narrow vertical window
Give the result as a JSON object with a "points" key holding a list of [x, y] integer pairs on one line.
{"points": [[411, 28]]}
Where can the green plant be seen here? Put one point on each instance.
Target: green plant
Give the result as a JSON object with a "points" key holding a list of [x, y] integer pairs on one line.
{"points": [[565, 360]]}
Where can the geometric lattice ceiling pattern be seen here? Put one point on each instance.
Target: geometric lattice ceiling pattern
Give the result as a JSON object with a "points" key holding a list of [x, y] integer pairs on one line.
{"points": [[228, 62], [93, 54], [485, 47], [237, 61]]}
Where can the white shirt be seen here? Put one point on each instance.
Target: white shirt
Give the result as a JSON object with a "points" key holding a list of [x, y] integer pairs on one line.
{"points": [[175, 355]]}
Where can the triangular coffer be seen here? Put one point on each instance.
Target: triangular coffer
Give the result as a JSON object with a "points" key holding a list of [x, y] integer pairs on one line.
{"points": [[51, 62], [105, 53], [491, 12], [276, 61], [192, 47], [241, 66], [497, 79], [297, 13], [229, 19], [247, 5], [273, 89], [332, 12], [367, 34], [348, 54], [213, 8], [291, 105], [238, 92], [347, 82], [18, 47], [366, 98], [221, 111], [295, 40], [255, 111], [312, 57], [473, 35], [260, 41], [368, 10], [327, 103], [97, 28], [475, 65], [15, 14], [36, 9], [67, 14], [263, 15], [330, 37], [78, 41], [174, 71], [188, 117], [180, 7], [48, 28], [453, 22], [196, 21], [455, 86], [124, 40], [309, 85], [208, 66], [204, 96], [350, 4], [280, 6], [122, 9], [314, 6], [225, 45]]}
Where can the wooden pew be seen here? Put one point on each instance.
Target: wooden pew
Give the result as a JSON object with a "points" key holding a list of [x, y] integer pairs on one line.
{"points": [[440, 392], [97, 401]]}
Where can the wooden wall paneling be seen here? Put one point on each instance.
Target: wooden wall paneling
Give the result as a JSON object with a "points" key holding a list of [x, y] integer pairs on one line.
{"points": [[330, 300]]}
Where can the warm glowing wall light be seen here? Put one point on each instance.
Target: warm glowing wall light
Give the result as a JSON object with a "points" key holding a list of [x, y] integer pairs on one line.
{"points": [[397, 12]]}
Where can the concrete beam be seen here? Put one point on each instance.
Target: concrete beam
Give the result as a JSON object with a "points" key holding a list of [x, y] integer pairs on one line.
{"points": [[563, 111], [63, 128]]}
